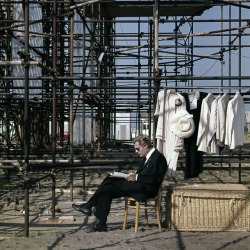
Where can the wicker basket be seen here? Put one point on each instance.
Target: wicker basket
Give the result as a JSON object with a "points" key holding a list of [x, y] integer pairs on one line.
{"points": [[208, 207]]}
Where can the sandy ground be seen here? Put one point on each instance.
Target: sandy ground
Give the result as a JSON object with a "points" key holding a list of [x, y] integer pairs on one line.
{"points": [[70, 229], [117, 239]]}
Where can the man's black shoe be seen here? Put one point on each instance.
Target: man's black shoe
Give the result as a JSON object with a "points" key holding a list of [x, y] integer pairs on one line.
{"points": [[99, 227], [83, 209]]}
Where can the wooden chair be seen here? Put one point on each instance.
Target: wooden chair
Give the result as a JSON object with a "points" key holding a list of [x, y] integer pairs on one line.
{"points": [[149, 204]]}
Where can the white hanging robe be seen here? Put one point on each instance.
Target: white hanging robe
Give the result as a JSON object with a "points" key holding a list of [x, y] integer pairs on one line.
{"points": [[202, 140], [235, 122], [168, 103], [221, 119]]}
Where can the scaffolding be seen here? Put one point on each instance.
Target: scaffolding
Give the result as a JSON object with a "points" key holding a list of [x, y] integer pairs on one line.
{"points": [[63, 60], [71, 71]]}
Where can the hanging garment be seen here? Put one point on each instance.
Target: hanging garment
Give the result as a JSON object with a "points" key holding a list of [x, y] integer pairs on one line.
{"points": [[194, 158], [235, 122], [221, 119], [211, 137], [168, 103], [159, 112], [202, 137]]}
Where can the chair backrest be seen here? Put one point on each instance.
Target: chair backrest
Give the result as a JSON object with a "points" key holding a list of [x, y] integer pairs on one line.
{"points": [[160, 186]]}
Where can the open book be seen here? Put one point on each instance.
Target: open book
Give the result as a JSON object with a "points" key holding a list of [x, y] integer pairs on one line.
{"points": [[118, 175]]}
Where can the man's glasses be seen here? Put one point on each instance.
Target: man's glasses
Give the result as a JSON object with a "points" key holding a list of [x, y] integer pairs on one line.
{"points": [[137, 149]]}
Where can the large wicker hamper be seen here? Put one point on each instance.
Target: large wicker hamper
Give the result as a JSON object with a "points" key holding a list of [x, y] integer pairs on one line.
{"points": [[208, 207]]}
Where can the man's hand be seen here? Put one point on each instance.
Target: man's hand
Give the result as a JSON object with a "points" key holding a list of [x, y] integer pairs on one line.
{"points": [[131, 177]]}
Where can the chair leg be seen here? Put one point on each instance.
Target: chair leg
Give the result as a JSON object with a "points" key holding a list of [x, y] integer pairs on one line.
{"points": [[146, 214], [137, 216], [125, 215], [157, 210]]}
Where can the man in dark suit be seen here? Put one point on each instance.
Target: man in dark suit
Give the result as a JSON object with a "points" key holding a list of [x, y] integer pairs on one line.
{"points": [[141, 185]]}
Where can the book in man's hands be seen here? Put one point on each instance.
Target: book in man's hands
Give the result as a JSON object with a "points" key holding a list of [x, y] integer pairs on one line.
{"points": [[118, 175]]}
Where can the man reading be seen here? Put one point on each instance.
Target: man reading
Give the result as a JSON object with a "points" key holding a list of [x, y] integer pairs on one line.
{"points": [[141, 185]]}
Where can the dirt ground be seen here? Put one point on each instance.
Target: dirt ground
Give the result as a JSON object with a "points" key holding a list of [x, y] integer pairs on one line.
{"points": [[69, 230]]}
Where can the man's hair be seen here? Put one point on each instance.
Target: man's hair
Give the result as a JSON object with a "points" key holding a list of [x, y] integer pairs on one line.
{"points": [[143, 140]]}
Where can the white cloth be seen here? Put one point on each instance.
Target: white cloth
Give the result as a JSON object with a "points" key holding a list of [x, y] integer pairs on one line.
{"points": [[182, 124], [235, 122], [159, 111], [149, 154], [193, 99], [211, 137], [221, 119], [202, 141], [167, 142]]}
